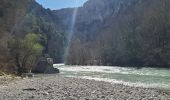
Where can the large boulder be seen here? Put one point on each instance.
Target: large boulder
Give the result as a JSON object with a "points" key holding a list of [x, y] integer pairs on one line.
{"points": [[45, 65]]}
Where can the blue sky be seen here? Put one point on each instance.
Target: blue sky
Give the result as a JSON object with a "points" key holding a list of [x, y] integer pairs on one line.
{"points": [[58, 4]]}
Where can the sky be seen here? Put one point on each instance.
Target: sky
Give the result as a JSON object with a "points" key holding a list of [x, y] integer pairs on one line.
{"points": [[58, 4]]}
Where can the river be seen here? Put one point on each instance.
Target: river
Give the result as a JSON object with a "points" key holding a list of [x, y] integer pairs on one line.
{"points": [[144, 77]]}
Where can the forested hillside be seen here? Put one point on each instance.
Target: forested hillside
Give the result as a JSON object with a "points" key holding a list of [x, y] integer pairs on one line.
{"points": [[10, 14], [120, 32], [25, 27]]}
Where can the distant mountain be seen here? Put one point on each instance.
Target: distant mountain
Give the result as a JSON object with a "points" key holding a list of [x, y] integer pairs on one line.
{"points": [[119, 32]]}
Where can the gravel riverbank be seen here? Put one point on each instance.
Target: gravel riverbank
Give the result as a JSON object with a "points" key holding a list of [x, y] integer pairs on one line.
{"points": [[6, 79], [62, 88]]}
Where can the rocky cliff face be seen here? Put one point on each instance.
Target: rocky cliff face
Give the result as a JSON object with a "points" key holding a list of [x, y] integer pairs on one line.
{"points": [[93, 16], [90, 17], [119, 32]]}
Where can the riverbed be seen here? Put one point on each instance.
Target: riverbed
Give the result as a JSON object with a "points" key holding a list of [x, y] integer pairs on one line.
{"points": [[57, 87], [89, 83], [143, 77]]}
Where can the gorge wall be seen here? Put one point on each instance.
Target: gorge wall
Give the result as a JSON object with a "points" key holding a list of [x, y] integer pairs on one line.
{"points": [[119, 32]]}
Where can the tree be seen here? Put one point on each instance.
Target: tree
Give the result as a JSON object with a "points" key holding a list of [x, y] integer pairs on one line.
{"points": [[25, 52]]}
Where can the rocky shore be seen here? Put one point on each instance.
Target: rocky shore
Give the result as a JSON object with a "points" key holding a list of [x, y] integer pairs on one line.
{"points": [[6, 79], [61, 88]]}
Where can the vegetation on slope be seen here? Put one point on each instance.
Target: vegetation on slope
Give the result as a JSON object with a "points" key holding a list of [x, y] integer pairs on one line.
{"points": [[18, 18], [136, 33]]}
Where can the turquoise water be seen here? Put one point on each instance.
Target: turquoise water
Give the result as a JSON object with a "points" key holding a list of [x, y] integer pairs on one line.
{"points": [[145, 77]]}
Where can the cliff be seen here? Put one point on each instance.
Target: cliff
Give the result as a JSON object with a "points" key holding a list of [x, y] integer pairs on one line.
{"points": [[119, 32]]}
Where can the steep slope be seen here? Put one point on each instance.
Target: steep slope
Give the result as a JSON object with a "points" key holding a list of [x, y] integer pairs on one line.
{"points": [[140, 35], [10, 14], [20, 17], [90, 17], [119, 32], [43, 21]]}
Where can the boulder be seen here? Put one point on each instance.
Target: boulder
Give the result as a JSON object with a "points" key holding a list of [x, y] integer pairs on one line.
{"points": [[45, 66]]}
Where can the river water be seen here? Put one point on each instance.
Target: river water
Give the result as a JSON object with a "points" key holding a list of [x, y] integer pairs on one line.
{"points": [[144, 77]]}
